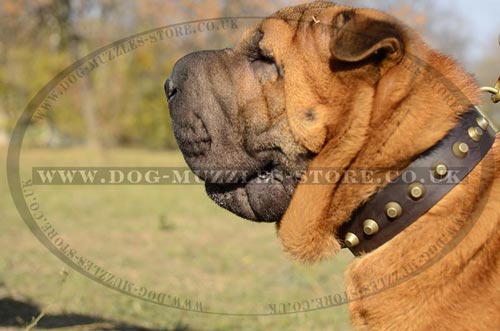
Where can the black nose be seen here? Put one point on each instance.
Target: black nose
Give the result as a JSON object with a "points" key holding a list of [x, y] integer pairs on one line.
{"points": [[170, 89]]}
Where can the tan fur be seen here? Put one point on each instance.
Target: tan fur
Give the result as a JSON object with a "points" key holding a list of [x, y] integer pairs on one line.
{"points": [[383, 116]]}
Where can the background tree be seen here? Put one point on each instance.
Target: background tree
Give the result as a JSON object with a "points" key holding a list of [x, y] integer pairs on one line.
{"points": [[122, 103]]}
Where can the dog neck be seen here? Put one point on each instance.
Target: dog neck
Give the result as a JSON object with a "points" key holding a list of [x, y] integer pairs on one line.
{"points": [[445, 263], [420, 186]]}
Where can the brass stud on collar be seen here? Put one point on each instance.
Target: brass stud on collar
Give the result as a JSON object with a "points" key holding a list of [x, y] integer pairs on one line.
{"points": [[460, 149], [483, 123], [475, 133], [393, 210], [351, 239], [370, 227], [440, 170], [416, 191]]}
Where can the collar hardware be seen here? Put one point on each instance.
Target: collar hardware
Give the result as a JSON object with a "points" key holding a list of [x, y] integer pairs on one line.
{"points": [[437, 171]]}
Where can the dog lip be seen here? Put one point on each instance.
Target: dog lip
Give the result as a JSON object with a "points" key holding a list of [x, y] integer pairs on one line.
{"points": [[238, 176], [263, 198], [232, 197]]}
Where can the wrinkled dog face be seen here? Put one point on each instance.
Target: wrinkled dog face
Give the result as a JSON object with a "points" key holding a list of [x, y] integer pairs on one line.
{"points": [[228, 112], [265, 108]]}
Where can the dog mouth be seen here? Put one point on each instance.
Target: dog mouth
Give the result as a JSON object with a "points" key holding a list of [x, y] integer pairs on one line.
{"points": [[263, 196], [256, 186]]}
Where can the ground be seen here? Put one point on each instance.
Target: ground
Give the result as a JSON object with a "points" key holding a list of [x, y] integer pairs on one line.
{"points": [[171, 239]]}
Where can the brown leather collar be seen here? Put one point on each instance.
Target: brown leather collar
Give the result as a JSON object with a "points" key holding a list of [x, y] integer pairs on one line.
{"points": [[420, 186]]}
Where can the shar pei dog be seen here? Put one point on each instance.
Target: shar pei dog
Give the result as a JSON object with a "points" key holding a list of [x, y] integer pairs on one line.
{"points": [[323, 88]]}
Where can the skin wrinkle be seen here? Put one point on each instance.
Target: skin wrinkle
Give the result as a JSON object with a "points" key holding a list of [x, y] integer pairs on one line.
{"points": [[332, 207], [297, 27], [405, 114]]}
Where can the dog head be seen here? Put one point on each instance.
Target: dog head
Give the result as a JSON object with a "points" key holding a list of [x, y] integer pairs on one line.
{"points": [[313, 86]]}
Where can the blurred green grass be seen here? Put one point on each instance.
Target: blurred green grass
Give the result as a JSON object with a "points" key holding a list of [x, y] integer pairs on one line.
{"points": [[171, 239]]}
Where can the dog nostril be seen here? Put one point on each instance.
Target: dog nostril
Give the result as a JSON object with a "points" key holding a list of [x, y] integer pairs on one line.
{"points": [[170, 89]]}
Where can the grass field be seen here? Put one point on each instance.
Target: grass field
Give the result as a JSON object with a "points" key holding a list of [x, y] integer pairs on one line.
{"points": [[172, 239]]}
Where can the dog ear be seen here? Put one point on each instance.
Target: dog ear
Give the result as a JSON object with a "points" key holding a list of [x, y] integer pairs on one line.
{"points": [[366, 37], [359, 35]]}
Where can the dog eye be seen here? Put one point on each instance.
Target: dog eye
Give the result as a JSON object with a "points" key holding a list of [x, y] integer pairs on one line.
{"points": [[260, 55], [262, 58], [265, 66]]}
